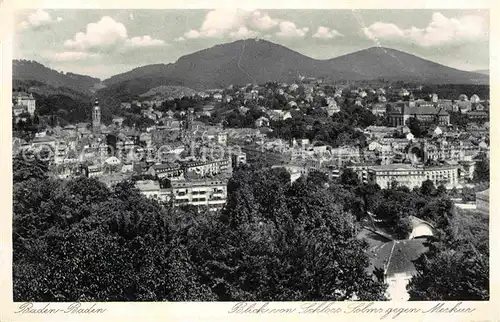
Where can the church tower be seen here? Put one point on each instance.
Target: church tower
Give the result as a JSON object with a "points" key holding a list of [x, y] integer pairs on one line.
{"points": [[96, 118]]}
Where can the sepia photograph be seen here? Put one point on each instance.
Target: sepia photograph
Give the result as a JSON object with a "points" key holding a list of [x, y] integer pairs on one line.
{"points": [[249, 155]]}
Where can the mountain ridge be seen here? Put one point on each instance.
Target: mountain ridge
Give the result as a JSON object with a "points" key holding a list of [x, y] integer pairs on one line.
{"points": [[255, 61], [252, 60], [30, 70]]}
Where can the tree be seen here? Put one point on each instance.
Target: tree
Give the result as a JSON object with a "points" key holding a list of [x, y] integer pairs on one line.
{"points": [[26, 166], [450, 275], [456, 267], [427, 188], [482, 169], [272, 241], [417, 128], [349, 178], [275, 248]]}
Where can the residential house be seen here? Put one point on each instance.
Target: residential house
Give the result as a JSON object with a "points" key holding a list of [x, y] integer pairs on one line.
{"points": [[93, 171], [478, 116], [262, 122], [379, 109], [118, 121], [211, 193], [166, 170]]}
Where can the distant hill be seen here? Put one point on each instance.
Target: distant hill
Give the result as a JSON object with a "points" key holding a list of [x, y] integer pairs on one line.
{"points": [[395, 65], [483, 71], [28, 70], [260, 61], [239, 62], [164, 92]]}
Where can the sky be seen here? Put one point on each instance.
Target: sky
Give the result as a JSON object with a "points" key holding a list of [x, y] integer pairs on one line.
{"points": [[102, 43]]}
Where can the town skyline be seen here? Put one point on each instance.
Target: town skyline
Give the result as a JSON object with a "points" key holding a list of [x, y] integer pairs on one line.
{"points": [[135, 38]]}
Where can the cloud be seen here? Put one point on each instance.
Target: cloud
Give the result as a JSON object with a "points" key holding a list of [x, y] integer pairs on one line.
{"points": [[107, 35], [289, 29], [235, 23], [180, 39], [441, 30], [59, 19], [144, 41], [38, 19], [262, 21], [243, 32], [192, 34], [326, 33], [71, 56], [221, 20]]}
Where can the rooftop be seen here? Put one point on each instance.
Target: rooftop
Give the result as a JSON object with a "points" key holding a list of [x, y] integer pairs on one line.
{"points": [[398, 256], [394, 167], [147, 185]]}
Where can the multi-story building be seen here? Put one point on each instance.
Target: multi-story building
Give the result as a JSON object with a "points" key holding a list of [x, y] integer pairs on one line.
{"points": [[344, 155], [403, 174], [361, 169], [411, 176], [25, 99], [205, 168], [94, 171], [60, 152], [149, 188], [400, 112], [166, 170], [446, 175], [238, 158], [211, 193]]}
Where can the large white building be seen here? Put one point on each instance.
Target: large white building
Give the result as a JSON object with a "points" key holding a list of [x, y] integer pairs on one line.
{"points": [[25, 99], [211, 193], [411, 176]]}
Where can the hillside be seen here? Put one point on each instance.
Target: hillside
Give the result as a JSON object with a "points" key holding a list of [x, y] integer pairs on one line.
{"points": [[27, 70], [483, 71], [395, 65], [259, 61], [239, 62], [164, 92]]}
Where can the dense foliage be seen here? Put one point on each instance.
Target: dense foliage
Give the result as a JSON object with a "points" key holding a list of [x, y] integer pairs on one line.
{"points": [[457, 267], [98, 244]]}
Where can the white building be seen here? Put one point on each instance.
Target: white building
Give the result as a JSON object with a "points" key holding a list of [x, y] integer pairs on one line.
{"points": [[25, 99], [211, 193]]}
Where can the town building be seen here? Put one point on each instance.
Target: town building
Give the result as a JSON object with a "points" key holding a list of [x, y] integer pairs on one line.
{"points": [[25, 99], [93, 171], [412, 176], [400, 112], [96, 118], [396, 258], [211, 193], [238, 158], [166, 170]]}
